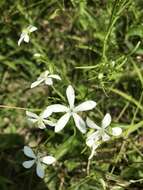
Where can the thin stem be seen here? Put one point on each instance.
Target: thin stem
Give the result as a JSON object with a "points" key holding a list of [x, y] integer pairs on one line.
{"points": [[111, 24], [12, 107], [118, 157], [59, 94], [114, 17], [88, 166], [17, 108]]}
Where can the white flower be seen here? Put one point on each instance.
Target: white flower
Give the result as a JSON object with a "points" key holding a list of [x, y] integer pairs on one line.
{"points": [[101, 132], [71, 110], [40, 120], [25, 34], [37, 160], [46, 78]]}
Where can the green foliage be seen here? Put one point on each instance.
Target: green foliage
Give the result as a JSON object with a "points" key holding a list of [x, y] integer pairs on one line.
{"points": [[95, 45]]}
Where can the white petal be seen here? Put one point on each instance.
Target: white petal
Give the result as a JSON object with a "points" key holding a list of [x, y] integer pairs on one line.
{"points": [[62, 122], [56, 108], [91, 124], [32, 28], [55, 77], [92, 139], [87, 105], [36, 83], [106, 120], [40, 170], [48, 122], [32, 120], [70, 96], [49, 81], [21, 39], [80, 124], [28, 164], [116, 131], [45, 74], [105, 137], [26, 38], [32, 115], [48, 160], [46, 113], [29, 152]]}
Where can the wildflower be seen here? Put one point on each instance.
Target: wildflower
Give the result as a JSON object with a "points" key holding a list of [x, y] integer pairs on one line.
{"points": [[25, 34], [37, 160], [71, 111], [40, 120], [46, 78], [101, 132]]}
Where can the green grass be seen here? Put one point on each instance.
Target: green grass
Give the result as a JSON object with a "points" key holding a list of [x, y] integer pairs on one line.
{"points": [[95, 45]]}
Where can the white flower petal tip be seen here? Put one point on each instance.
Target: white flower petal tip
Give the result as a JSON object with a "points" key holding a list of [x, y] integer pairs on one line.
{"points": [[116, 131], [32, 115], [26, 38], [48, 160], [32, 28], [62, 122], [70, 95], [56, 108], [36, 83], [28, 164], [80, 124], [106, 120], [29, 152], [55, 77], [91, 124], [40, 170], [85, 106], [20, 40]]}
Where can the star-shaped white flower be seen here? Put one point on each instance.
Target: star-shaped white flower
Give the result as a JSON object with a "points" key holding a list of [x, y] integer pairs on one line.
{"points": [[101, 132], [71, 111], [40, 120], [25, 34], [46, 78], [37, 159]]}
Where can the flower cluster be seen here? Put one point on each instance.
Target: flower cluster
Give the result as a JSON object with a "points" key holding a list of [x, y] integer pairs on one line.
{"points": [[71, 111]]}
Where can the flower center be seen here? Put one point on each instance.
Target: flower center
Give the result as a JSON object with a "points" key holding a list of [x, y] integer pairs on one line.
{"points": [[71, 110], [101, 131]]}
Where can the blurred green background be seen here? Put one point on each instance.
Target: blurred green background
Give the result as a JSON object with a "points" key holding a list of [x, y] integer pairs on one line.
{"points": [[97, 46]]}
